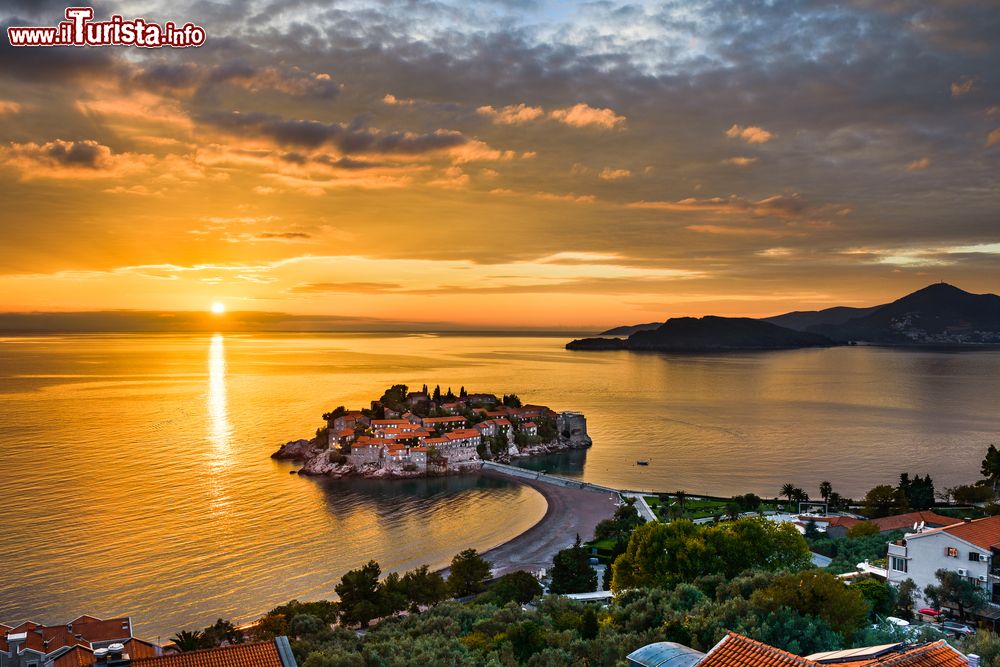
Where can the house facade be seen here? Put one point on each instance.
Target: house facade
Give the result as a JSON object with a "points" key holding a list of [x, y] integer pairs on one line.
{"points": [[967, 548]]}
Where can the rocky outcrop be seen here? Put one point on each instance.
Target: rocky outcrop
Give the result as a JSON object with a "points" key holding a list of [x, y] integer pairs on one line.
{"points": [[296, 450]]}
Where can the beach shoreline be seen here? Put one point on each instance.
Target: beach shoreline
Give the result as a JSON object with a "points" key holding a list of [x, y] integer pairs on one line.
{"points": [[569, 512]]}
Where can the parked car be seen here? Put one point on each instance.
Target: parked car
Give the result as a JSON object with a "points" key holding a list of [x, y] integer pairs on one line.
{"points": [[957, 629]]}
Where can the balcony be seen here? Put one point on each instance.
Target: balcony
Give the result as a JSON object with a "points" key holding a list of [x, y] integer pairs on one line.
{"points": [[896, 549]]}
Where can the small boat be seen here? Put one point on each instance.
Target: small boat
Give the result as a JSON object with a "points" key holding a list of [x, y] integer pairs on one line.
{"points": [[642, 462]]}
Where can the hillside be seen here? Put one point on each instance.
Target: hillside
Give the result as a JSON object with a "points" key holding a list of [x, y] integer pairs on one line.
{"points": [[940, 314], [630, 329], [708, 334], [804, 320]]}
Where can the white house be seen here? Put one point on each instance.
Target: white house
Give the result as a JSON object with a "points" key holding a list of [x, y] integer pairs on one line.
{"points": [[966, 547]]}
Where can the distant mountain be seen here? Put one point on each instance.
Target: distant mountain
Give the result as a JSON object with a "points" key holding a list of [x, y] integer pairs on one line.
{"points": [[940, 314], [804, 320], [707, 334], [630, 329]]}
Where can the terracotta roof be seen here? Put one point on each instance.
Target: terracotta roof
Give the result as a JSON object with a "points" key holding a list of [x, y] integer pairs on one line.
{"points": [[738, 651], [260, 654], [81, 631], [435, 420], [902, 521], [984, 533], [82, 656], [344, 432], [529, 425], [938, 654], [462, 433]]}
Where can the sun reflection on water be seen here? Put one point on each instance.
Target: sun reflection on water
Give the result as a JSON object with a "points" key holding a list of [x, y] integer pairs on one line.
{"points": [[220, 429]]}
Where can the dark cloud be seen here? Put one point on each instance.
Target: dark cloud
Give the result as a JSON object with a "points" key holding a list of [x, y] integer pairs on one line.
{"points": [[349, 138], [284, 235]]}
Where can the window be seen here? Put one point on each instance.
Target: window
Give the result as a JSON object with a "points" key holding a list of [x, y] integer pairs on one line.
{"points": [[974, 556], [951, 552], [898, 564]]}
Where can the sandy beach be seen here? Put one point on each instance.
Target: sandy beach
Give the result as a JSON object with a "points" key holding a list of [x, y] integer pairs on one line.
{"points": [[570, 512]]}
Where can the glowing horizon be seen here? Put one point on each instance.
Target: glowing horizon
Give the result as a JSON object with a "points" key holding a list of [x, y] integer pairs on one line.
{"points": [[574, 167]]}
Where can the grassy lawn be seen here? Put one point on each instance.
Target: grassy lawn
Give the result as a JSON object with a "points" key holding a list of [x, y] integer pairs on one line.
{"points": [[696, 508]]}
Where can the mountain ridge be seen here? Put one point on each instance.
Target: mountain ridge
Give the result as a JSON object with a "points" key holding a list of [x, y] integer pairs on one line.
{"points": [[938, 314]]}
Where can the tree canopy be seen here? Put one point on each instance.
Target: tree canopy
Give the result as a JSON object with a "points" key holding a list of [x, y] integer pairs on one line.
{"points": [[661, 554]]}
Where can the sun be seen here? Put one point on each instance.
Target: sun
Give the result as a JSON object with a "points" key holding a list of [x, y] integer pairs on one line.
{"points": [[218, 307]]}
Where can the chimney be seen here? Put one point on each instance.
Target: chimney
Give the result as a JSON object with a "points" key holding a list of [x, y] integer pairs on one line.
{"points": [[117, 656], [967, 519], [973, 660], [15, 641], [101, 656]]}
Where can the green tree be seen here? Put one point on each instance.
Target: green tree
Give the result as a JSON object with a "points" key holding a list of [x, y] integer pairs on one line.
{"points": [[811, 531], [660, 554], [816, 593], [571, 571], [511, 401], [359, 595], [880, 501], [220, 632], [956, 592], [306, 624], [904, 598], [825, 489], [424, 588], [621, 525], [391, 595], [520, 587], [863, 529], [589, 624], [788, 490], [880, 596], [991, 466], [468, 574], [188, 640], [986, 645]]}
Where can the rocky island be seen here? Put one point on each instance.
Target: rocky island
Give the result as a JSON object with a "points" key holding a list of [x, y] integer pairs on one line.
{"points": [[407, 434]]}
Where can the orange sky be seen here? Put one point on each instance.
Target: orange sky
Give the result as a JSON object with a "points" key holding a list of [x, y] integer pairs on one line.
{"points": [[576, 169]]}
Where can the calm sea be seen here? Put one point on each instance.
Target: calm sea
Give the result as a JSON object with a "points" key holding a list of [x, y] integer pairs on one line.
{"points": [[136, 477]]}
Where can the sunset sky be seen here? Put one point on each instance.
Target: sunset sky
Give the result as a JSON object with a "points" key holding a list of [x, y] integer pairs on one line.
{"points": [[505, 163]]}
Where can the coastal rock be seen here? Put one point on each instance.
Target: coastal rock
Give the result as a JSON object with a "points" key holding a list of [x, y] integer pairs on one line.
{"points": [[295, 450]]}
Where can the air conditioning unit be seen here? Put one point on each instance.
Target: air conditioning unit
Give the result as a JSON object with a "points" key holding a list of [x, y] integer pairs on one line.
{"points": [[983, 558], [962, 572], [982, 577]]}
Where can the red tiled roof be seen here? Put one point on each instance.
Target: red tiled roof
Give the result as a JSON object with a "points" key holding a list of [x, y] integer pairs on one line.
{"points": [[984, 533], [938, 654], [462, 433], [260, 654], [82, 631], [902, 521], [738, 651], [437, 420], [82, 656], [529, 425]]}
